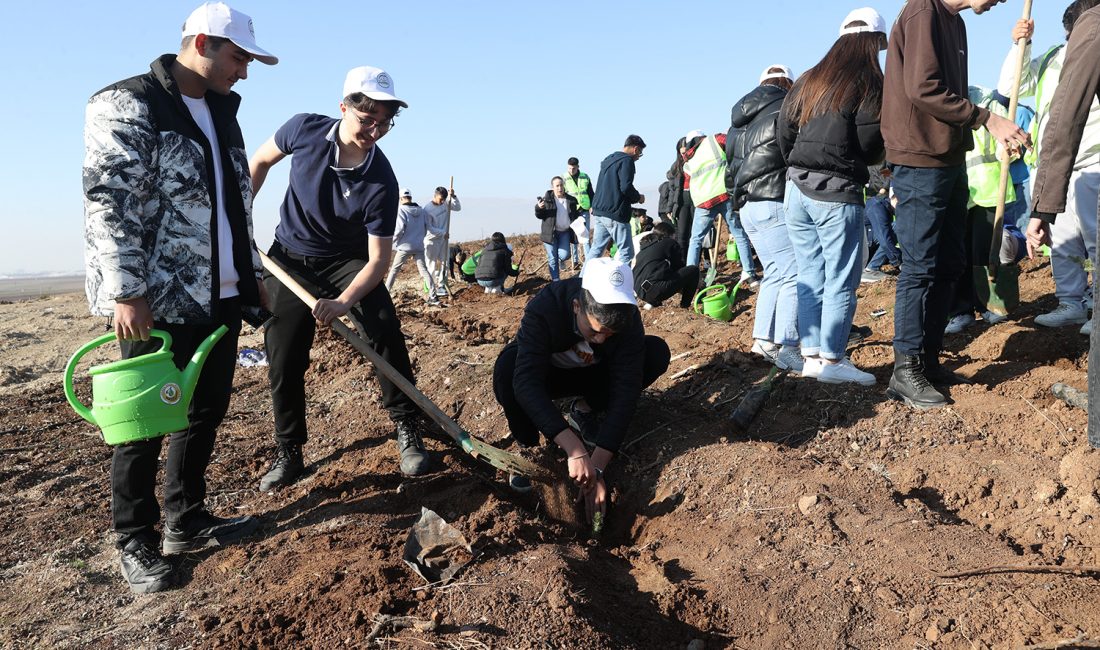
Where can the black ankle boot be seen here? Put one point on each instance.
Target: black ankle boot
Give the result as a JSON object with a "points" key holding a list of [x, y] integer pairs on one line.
{"points": [[908, 384]]}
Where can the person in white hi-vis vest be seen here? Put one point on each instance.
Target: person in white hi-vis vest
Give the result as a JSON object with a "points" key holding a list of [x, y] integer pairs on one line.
{"points": [[1073, 234]]}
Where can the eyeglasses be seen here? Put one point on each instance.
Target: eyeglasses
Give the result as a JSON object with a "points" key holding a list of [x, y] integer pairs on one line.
{"points": [[371, 123]]}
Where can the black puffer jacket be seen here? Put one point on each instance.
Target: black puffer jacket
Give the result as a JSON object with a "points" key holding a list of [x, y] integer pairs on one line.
{"points": [[495, 263], [841, 144], [756, 170]]}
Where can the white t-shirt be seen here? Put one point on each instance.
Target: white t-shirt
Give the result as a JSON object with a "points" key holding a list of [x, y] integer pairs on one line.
{"points": [[228, 272], [561, 221]]}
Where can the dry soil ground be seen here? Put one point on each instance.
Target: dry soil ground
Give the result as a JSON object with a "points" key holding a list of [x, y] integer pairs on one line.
{"points": [[828, 526]]}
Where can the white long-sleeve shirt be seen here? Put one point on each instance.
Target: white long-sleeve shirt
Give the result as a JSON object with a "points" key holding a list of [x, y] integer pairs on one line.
{"points": [[437, 218], [1089, 153]]}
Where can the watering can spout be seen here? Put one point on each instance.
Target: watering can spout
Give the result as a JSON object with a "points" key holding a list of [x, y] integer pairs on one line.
{"points": [[190, 375]]}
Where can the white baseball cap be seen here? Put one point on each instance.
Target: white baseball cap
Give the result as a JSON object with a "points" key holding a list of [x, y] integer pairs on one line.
{"points": [[218, 19], [874, 22], [785, 73], [694, 134], [609, 281], [375, 83], [406, 192]]}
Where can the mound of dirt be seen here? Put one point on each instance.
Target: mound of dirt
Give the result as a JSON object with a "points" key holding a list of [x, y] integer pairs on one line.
{"points": [[828, 525]]}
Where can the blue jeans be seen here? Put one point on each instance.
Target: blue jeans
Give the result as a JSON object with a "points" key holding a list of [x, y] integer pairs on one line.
{"points": [[492, 284], [827, 239], [557, 252], [744, 247], [777, 300], [702, 222], [606, 230], [931, 230], [879, 215]]}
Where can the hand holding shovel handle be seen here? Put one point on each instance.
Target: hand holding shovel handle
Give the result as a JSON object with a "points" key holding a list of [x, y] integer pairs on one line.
{"points": [[496, 457]]}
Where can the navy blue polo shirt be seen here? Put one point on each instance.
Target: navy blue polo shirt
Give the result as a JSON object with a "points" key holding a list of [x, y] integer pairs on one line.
{"points": [[329, 211]]}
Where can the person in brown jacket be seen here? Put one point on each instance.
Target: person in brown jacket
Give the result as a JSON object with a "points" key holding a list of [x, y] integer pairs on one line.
{"points": [[1078, 86], [927, 121]]}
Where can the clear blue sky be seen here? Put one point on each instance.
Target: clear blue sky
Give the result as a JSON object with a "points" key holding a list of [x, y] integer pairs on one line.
{"points": [[500, 93]]}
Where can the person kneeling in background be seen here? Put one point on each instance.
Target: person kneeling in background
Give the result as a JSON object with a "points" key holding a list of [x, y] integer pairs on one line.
{"points": [[659, 271], [495, 265]]}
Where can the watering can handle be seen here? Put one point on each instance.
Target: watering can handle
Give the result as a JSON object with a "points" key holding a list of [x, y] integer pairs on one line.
{"points": [[70, 393], [695, 303]]}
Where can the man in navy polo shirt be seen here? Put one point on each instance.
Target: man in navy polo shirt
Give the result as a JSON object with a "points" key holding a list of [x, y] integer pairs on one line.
{"points": [[334, 236]]}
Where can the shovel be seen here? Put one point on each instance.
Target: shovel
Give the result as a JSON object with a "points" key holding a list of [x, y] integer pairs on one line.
{"points": [[496, 457], [712, 272]]}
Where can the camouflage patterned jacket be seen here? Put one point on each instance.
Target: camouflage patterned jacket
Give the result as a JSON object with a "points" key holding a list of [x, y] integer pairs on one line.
{"points": [[149, 217]]}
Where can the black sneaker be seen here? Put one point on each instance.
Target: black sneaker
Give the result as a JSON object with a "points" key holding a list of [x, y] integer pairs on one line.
{"points": [[414, 459], [858, 334], [586, 423], [520, 483], [207, 531], [145, 569], [287, 468]]}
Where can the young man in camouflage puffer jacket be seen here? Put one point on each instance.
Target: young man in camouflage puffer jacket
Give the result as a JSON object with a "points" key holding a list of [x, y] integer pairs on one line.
{"points": [[168, 244]]}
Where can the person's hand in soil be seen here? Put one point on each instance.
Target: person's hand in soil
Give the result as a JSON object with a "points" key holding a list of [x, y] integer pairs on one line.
{"points": [[579, 463], [133, 319], [595, 499]]}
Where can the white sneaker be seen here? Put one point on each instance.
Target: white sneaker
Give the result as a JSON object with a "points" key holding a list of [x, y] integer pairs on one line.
{"points": [[488, 289], [766, 349], [958, 323], [1086, 329], [789, 358], [992, 319], [843, 372], [1065, 314], [811, 368], [749, 280]]}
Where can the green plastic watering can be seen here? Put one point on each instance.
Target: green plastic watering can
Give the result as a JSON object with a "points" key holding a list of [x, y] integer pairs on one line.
{"points": [[142, 397], [716, 302]]}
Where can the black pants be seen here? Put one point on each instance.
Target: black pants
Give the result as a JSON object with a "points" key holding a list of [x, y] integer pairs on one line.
{"points": [[685, 282], [684, 216], [289, 336], [592, 383], [979, 235], [134, 508]]}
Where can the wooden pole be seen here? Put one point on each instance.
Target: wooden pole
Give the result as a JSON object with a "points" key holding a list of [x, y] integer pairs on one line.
{"points": [[444, 261], [1013, 103]]}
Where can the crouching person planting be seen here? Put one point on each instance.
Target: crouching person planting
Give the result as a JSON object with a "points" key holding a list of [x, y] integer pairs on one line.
{"points": [[580, 338]]}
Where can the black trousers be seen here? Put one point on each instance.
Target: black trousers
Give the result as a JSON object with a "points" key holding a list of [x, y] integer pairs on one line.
{"points": [[134, 508], [684, 216], [289, 336], [592, 383], [685, 282]]}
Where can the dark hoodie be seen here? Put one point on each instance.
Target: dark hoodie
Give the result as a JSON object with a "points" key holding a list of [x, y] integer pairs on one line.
{"points": [[756, 166], [615, 188]]}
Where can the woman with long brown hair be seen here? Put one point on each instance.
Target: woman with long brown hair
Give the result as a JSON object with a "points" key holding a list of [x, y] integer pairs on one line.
{"points": [[829, 135]]}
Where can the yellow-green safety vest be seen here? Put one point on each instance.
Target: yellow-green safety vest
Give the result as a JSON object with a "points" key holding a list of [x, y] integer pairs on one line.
{"points": [[578, 189], [983, 166], [1042, 106], [707, 169]]}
